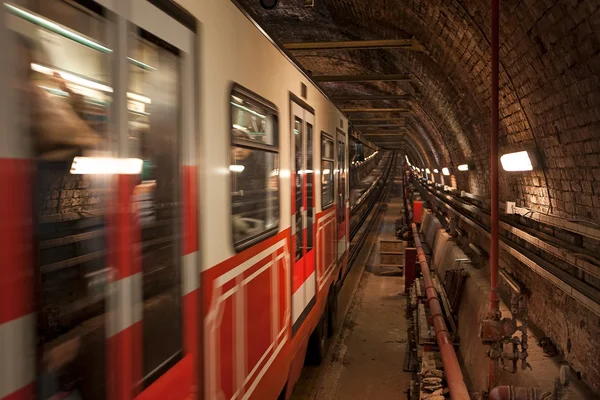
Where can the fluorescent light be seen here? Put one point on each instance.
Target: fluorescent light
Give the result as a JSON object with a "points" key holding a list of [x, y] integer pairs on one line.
{"points": [[463, 167], [240, 127], [427, 170], [436, 171], [140, 64], [78, 80], [519, 161], [236, 168], [106, 166], [445, 171], [139, 97], [247, 109], [67, 33]]}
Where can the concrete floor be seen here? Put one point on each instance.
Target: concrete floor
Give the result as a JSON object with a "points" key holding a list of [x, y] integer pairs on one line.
{"points": [[366, 360]]}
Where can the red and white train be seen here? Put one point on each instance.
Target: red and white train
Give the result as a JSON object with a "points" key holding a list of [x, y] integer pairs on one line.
{"points": [[174, 208]]}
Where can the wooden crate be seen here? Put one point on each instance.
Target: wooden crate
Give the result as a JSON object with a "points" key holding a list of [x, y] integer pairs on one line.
{"points": [[392, 259], [391, 246]]}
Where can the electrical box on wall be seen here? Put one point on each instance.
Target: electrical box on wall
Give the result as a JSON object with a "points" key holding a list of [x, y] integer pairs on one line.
{"points": [[511, 207]]}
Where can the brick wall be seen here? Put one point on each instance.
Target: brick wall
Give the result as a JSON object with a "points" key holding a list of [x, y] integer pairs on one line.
{"points": [[549, 84]]}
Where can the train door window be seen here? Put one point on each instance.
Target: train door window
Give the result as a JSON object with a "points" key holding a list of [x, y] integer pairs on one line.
{"points": [[62, 95], [327, 160], [341, 169], [309, 186], [153, 104], [298, 168], [254, 168]]}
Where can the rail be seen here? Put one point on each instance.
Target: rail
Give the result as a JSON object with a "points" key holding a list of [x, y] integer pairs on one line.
{"points": [[369, 198], [377, 199], [454, 376]]}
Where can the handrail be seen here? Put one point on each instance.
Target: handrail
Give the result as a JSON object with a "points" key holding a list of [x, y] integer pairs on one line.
{"points": [[454, 376]]}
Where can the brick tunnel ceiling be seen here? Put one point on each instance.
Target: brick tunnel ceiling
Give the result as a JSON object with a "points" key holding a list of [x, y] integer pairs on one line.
{"points": [[549, 85]]}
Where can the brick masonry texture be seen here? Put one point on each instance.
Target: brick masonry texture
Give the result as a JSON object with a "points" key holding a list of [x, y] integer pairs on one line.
{"points": [[549, 103], [549, 84]]}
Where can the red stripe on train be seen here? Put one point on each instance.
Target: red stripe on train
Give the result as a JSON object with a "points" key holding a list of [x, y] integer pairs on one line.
{"points": [[25, 393], [16, 284]]}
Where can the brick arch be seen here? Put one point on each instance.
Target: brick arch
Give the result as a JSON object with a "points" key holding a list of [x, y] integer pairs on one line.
{"points": [[549, 83]]}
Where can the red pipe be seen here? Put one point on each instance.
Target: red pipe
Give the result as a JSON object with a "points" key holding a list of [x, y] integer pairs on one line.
{"points": [[494, 253], [454, 376]]}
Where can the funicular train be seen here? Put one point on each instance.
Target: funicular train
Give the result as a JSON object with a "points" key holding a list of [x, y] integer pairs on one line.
{"points": [[174, 215]]}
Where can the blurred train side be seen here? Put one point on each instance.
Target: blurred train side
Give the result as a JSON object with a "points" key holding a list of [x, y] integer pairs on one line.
{"points": [[232, 49], [244, 324]]}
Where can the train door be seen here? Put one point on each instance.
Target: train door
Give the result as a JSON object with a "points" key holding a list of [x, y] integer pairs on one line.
{"points": [[341, 206], [303, 272], [100, 149]]}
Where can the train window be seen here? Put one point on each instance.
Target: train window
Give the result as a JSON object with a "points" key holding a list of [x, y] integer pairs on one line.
{"points": [[309, 185], [341, 152], [62, 93], [254, 168], [327, 159], [298, 169], [155, 137]]}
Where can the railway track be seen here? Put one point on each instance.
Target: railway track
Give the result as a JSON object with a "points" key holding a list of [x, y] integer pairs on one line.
{"points": [[362, 216]]}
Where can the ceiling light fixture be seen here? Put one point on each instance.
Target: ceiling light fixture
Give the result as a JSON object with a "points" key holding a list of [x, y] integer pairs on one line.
{"points": [[436, 171], [445, 171], [463, 167]]}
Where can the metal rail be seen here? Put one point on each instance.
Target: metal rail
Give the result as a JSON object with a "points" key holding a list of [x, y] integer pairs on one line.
{"points": [[378, 198]]}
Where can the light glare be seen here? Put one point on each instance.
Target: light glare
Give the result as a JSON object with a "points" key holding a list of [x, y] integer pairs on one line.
{"points": [[236, 168], [518, 161], [106, 166]]}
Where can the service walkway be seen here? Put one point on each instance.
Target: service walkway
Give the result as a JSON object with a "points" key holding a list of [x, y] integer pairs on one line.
{"points": [[366, 362]]}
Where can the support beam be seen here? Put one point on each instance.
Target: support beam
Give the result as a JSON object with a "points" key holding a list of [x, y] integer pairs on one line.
{"points": [[386, 119], [407, 44], [371, 97], [373, 135], [372, 110], [380, 125], [362, 78]]}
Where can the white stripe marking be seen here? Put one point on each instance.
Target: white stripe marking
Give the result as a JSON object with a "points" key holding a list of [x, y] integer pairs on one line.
{"points": [[126, 303], [264, 370], [302, 296], [190, 274], [226, 277], [17, 354]]}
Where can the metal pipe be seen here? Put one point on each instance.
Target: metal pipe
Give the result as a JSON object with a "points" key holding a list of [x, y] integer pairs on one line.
{"points": [[494, 244], [454, 376]]}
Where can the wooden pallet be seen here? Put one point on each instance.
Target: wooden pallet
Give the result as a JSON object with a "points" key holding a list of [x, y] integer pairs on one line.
{"points": [[391, 252]]}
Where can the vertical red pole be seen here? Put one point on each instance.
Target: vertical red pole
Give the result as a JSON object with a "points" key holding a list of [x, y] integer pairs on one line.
{"points": [[494, 253]]}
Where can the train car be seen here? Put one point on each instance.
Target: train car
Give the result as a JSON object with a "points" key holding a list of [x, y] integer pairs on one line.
{"points": [[174, 215]]}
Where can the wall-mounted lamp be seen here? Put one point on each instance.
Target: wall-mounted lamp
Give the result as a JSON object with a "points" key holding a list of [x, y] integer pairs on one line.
{"points": [[445, 171], [519, 161]]}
